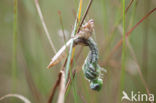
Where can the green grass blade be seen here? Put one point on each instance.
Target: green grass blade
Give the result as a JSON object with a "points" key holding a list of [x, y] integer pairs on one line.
{"points": [[71, 46], [14, 45], [123, 50]]}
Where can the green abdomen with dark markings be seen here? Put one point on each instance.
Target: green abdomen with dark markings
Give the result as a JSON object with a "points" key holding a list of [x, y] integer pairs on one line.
{"points": [[91, 69]]}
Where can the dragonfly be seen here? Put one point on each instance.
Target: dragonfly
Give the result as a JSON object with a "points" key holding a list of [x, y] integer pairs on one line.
{"points": [[85, 32], [91, 69]]}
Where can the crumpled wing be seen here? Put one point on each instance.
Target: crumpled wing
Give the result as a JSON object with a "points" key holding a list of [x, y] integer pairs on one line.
{"points": [[60, 54], [86, 32]]}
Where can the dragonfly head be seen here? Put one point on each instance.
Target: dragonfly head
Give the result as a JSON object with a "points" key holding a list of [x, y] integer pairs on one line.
{"points": [[96, 84]]}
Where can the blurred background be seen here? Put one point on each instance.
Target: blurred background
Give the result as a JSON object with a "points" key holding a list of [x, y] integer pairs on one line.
{"points": [[26, 72]]}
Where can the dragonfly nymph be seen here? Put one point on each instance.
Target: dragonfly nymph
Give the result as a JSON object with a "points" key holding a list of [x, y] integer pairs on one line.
{"points": [[91, 68]]}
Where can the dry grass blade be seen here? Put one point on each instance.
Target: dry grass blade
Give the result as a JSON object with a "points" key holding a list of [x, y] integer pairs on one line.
{"points": [[138, 67], [44, 25], [24, 99], [62, 88]]}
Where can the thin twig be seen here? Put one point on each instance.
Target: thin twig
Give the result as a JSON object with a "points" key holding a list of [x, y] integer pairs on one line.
{"points": [[129, 5], [138, 67], [116, 25], [127, 34], [44, 25], [57, 83], [85, 14], [54, 88]]}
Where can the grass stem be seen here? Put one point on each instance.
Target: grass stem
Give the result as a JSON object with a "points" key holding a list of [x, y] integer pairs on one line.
{"points": [[14, 44], [71, 46], [123, 50], [44, 25]]}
